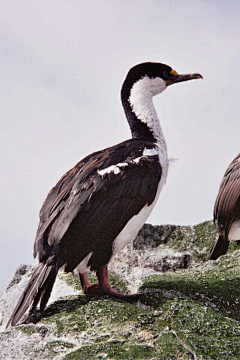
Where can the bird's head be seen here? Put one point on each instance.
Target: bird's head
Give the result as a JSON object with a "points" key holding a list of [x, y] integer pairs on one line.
{"points": [[152, 78], [142, 82]]}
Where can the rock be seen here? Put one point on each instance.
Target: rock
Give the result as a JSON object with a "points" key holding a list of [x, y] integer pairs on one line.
{"points": [[189, 308]]}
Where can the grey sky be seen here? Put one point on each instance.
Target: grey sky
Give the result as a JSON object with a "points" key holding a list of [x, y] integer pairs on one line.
{"points": [[62, 66]]}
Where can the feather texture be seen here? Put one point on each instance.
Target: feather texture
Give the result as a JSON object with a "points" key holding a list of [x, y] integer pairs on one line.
{"points": [[227, 205], [227, 210], [38, 288], [84, 204]]}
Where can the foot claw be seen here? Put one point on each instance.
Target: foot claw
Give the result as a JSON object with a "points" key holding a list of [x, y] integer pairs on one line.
{"points": [[112, 291], [91, 290], [104, 288]]}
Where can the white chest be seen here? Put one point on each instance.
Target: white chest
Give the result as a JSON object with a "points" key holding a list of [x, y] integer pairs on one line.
{"points": [[234, 233], [132, 228]]}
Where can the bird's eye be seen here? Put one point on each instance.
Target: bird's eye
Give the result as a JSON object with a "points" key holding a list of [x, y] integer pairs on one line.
{"points": [[166, 74]]}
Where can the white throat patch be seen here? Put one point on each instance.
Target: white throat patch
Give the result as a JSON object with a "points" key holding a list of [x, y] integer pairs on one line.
{"points": [[141, 102]]}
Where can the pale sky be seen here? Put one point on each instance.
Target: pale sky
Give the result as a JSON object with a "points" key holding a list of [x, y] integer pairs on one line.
{"points": [[62, 66]]}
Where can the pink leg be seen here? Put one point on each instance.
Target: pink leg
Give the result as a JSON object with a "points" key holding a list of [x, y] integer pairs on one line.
{"points": [[104, 287], [87, 287]]}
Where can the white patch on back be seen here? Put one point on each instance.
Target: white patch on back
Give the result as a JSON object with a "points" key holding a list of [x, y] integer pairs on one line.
{"points": [[234, 233], [136, 161], [150, 152], [113, 168], [116, 169]]}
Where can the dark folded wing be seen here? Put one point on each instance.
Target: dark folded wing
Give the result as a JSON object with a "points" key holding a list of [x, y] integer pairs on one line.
{"points": [[92, 203], [227, 205]]}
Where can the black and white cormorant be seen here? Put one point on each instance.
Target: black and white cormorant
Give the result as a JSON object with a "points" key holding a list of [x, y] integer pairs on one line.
{"points": [[227, 210], [99, 205]]}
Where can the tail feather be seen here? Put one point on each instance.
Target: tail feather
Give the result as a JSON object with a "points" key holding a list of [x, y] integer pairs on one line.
{"points": [[219, 248], [47, 292], [38, 287]]}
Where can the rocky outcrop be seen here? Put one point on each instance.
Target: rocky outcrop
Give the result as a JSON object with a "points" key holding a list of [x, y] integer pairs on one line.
{"points": [[190, 308]]}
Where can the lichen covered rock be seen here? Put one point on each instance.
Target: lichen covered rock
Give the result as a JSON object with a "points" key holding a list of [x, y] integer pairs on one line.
{"points": [[189, 308]]}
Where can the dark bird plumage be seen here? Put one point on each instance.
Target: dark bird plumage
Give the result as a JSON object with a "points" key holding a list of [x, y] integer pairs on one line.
{"points": [[227, 210], [99, 205]]}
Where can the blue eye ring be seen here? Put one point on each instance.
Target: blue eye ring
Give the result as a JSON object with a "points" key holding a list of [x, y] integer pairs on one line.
{"points": [[166, 74]]}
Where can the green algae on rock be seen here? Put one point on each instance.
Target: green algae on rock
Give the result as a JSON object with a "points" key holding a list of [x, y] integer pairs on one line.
{"points": [[184, 313]]}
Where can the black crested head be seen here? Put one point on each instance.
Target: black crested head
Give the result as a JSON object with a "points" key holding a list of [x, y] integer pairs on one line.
{"points": [[150, 69], [154, 70]]}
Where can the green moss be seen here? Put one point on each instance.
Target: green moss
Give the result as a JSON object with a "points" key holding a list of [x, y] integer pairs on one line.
{"points": [[187, 314], [56, 347], [71, 280], [113, 350], [168, 347], [82, 313], [198, 239], [31, 329], [66, 316], [216, 284]]}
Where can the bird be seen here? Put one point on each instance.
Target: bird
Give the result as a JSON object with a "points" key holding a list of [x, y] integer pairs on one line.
{"points": [[99, 205], [226, 212]]}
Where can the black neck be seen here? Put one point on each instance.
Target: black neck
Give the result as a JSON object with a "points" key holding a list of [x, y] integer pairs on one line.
{"points": [[139, 129]]}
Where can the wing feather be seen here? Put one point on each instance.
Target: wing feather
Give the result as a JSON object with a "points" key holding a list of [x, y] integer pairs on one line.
{"points": [[85, 202], [227, 205]]}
